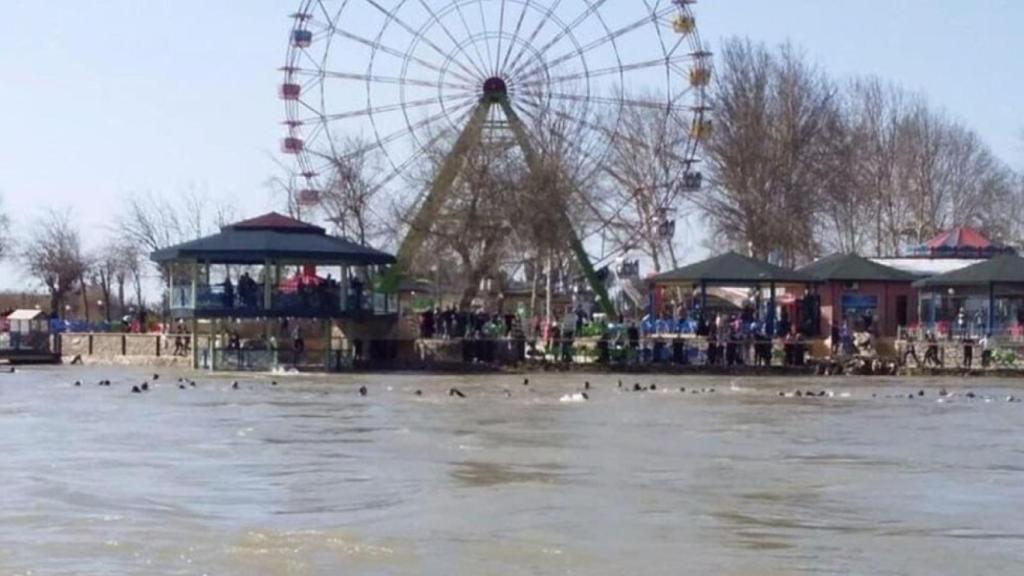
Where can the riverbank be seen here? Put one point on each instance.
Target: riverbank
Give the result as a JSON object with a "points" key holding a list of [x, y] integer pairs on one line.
{"points": [[450, 357], [180, 364]]}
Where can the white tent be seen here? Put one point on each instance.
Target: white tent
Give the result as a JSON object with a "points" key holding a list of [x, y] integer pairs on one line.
{"points": [[26, 321]]}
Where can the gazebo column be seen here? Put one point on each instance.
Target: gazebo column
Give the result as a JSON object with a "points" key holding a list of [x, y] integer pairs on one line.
{"points": [[770, 329], [933, 295], [170, 288], [268, 300], [195, 321], [704, 300], [921, 304], [273, 281], [991, 309], [344, 285], [327, 343], [884, 310], [268, 291], [211, 345]]}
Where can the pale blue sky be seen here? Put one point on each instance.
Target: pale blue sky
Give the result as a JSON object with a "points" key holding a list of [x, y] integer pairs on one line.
{"points": [[105, 97]]}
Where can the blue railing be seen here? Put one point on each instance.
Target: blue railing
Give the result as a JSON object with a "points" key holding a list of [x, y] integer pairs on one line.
{"points": [[58, 326]]}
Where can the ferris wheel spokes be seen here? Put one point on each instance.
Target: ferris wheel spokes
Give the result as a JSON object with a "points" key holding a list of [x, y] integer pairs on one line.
{"points": [[369, 111], [378, 79], [418, 35], [608, 71], [378, 46], [610, 37], [448, 33], [548, 16]]}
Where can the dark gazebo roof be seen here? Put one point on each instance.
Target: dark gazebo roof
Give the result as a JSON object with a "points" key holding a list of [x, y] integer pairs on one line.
{"points": [[732, 268], [1005, 269], [273, 237], [853, 268]]}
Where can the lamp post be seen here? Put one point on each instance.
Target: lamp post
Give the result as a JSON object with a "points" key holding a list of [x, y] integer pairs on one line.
{"points": [[952, 308], [436, 271]]}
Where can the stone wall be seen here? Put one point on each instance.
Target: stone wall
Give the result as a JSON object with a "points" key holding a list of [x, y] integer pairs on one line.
{"points": [[131, 349], [143, 345], [952, 354], [456, 351], [75, 345], [437, 350]]}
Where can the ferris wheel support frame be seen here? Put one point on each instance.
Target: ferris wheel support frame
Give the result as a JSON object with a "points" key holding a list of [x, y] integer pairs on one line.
{"points": [[441, 187], [575, 243]]}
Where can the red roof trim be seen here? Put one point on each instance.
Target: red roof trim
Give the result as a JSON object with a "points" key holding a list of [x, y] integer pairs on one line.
{"points": [[278, 222]]}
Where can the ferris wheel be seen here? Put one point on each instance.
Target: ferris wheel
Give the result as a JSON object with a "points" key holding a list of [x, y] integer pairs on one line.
{"points": [[405, 76]]}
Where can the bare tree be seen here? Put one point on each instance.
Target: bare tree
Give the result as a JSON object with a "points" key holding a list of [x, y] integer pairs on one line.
{"points": [[349, 201], [152, 222], [53, 255], [942, 175], [127, 261], [149, 222], [5, 230], [774, 114], [862, 196], [473, 226], [649, 178], [103, 272], [114, 266], [800, 166], [284, 185]]}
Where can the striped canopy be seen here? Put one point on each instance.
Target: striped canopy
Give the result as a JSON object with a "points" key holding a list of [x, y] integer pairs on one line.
{"points": [[961, 242]]}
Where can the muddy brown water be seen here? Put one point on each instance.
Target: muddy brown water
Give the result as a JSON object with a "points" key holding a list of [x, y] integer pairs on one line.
{"points": [[308, 477]]}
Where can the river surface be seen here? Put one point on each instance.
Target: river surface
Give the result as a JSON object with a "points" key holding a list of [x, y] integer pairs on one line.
{"points": [[308, 477]]}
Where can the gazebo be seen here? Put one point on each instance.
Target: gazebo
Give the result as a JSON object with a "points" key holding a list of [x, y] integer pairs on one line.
{"points": [[733, 269], [242, 273], [852, 287], [990, 293]]}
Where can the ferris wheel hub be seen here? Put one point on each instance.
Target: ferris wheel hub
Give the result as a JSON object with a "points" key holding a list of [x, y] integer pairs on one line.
{"points": [[495, 88]]}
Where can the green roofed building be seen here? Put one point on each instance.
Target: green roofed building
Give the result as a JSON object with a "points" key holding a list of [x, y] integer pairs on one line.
{"points": [[983, 298], [733, 270], [862, 293]]}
